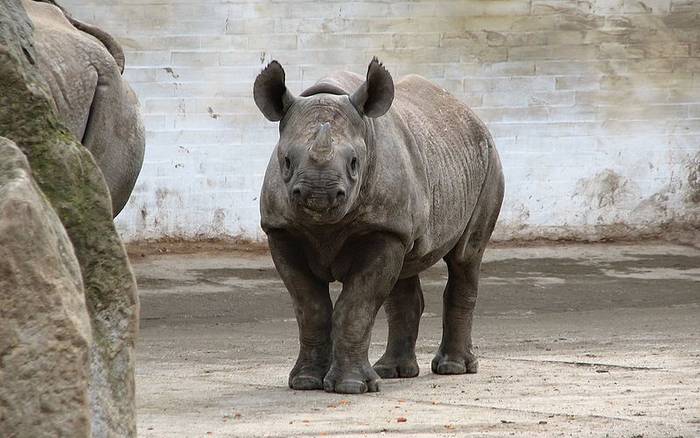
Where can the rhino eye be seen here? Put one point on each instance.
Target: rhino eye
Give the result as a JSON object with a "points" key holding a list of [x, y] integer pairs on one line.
{"points": [[353, 164]]}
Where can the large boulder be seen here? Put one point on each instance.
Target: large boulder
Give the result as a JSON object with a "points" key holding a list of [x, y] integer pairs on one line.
{"points": [[45, 330], [68, 176]]}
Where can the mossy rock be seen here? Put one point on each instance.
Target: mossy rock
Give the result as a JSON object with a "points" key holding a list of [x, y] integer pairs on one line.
{"points": [[67, 174], [45, 332]]}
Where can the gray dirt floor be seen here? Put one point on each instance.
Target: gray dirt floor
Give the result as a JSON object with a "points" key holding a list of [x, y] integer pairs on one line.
{"points": [[573, 340]]}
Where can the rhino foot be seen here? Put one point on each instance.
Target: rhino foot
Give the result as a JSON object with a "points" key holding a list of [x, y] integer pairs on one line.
{"points": [[305, 382], [307, 376], [396, 367], [466, 363], [354, 380]]}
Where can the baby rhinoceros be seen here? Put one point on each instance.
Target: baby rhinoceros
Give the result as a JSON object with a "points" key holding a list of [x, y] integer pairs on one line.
{"points": [[369, 185]]}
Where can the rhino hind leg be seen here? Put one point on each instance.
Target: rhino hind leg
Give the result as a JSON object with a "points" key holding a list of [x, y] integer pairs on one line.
{"points": [[455, 354], [404, 308]]}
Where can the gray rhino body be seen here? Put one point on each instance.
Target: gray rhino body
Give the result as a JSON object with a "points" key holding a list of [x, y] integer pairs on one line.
{"points": [[369, 185], [82, 66]]}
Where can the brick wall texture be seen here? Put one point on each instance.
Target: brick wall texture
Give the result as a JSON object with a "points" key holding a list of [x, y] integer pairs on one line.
{"points": [[594, 105]]}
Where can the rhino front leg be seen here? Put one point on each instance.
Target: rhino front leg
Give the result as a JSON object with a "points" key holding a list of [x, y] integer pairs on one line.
{"points": [[313, 309], [403, 310], [374, 269]]}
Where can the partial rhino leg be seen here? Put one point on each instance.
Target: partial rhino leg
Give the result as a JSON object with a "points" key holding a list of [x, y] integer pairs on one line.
{"points": [[313, 309], [455, 355], [115, 135], [404, 308], [373, 271]]}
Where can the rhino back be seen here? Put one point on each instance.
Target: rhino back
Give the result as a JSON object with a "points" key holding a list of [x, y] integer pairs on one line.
{"points": [[440, 146], [66, 59], [451, 145]]}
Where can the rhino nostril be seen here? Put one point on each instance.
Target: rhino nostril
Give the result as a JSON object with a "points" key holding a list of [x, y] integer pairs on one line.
{"points": [[296, 192], [340, 195]]}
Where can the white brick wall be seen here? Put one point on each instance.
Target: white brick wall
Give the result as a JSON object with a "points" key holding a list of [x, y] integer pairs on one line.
{"points": [[595, 105]]}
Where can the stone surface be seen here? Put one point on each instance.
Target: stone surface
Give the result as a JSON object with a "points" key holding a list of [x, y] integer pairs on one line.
{"points": [[44, 326], [574, 340], [67, 174]]}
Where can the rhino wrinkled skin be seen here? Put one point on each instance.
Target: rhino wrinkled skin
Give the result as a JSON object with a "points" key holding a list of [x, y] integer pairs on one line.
{"points": [[82, 67], [369, 185]]}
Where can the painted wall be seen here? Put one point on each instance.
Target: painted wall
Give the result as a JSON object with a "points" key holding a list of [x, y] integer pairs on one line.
{"points": [[594, 105]]}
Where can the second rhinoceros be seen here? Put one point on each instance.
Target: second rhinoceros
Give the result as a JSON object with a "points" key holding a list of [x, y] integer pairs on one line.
{"points": [[82, 66], [370, 184]]}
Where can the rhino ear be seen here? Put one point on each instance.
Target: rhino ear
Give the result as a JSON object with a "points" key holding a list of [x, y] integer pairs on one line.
{"points": [[374, 97], [271, 94]]}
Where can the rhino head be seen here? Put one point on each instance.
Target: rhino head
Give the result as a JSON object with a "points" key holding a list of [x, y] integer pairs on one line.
{"points": [[323, 150]]}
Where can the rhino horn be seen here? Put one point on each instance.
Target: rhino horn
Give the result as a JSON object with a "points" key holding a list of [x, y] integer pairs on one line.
{"points": [[322, 145]]}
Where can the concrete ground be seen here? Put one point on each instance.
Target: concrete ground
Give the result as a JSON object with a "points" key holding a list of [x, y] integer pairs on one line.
{"points": [[575, 340]]}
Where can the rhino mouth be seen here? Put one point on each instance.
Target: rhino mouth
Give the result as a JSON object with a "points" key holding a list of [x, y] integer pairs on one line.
{"points": [[319, 204], [313, 210], [320, 215]]}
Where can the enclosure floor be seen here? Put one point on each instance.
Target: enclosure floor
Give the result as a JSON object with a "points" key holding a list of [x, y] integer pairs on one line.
{"points": [[580, 340]]}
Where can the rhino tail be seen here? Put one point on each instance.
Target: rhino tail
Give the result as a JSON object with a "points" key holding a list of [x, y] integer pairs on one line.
{"points": [[112, 46]]}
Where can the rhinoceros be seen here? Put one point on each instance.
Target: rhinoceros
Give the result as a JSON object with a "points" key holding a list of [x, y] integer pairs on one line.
{"points": [[82, 66], [370, 184]]}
